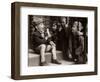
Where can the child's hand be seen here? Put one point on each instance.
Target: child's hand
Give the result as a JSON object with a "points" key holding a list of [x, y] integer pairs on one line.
{"points": [[46, 38], [80, 33], [48, 33], [52, 43]]}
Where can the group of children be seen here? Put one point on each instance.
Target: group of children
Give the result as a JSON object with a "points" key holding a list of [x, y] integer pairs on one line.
{"points": [[44, 40]]}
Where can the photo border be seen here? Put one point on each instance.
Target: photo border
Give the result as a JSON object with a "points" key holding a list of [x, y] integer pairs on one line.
{"points": [[15, 39]]}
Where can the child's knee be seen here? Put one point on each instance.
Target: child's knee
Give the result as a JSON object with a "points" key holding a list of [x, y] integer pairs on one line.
{"points": [[53, 47], [48, 48], [43, 46]]}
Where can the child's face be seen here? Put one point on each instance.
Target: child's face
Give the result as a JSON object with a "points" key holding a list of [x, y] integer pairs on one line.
{"points": [[54, 27], [80, 26], [75, 24], [74, 28], [41, 26], [63, 20]]}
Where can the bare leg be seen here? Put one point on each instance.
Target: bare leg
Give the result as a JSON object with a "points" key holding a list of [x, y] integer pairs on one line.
{"points": [[42, 49], [42, 52], [54, 52], [54, 55]]}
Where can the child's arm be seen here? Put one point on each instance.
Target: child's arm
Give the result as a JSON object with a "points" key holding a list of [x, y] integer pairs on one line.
{"points": [[48, 34], [39, 39]]}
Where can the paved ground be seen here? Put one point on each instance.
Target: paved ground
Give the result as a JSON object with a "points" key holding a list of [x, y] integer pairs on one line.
{"points": [[63, 62]]}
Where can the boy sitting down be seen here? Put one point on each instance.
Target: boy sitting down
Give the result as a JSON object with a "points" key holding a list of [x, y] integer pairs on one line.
{"points": [[43, 43]]}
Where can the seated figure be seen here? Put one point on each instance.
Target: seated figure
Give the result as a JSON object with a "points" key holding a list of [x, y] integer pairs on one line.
{"points": [[43, 43]]}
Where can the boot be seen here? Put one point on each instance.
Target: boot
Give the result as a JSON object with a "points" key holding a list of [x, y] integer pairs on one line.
{"points": [[43, 63], [56, 61]]}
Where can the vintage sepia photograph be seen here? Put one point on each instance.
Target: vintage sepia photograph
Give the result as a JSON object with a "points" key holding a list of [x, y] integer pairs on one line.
{"points": [[57, 40], [50, 40]]}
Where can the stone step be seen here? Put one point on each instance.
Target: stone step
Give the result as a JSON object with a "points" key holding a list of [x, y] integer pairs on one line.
{"points": [[34, 58]]}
